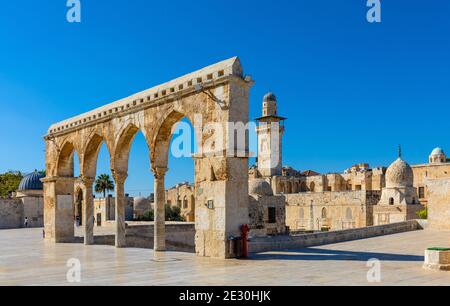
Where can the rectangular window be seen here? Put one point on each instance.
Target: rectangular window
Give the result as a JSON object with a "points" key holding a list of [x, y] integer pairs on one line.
{"points": [[421, 192], [272, 215]]}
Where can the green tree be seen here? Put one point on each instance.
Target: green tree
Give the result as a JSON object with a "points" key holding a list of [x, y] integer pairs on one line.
{"points": [[104, 184], [148, 216], [423, 214], [9, 182], [173, 213]]}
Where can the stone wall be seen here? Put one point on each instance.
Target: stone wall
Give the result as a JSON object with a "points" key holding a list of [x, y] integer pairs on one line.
{"points": [[333, 210], [183, 196], [33, 209], [11, 213], [426, 172], [259, 215], [439, 204], [180, 236], [258, 245], [105, 209]]}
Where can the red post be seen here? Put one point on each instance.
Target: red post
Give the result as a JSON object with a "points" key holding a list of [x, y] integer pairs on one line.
{"points": [[245, 229]]}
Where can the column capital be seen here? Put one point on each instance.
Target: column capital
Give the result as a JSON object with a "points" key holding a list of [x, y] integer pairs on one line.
{"points": [[159, 172], [86, 181], [119, 177]]}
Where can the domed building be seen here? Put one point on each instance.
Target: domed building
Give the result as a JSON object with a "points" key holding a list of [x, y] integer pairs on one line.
{"points": [[267, 212], [438, 156], [399, 175], [399, 199], [27, 203], [31, 185], [140, 206], [260, 187]]}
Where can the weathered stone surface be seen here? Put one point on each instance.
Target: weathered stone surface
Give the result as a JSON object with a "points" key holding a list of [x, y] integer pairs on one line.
{"points": [[333, 210], [316, 239], [439, 203], [437, 259]]}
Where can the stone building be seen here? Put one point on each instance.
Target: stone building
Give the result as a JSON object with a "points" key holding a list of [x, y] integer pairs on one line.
{"points": [[267, 212], [140, 206], [399, 199], [330, 210], [183, 196], [438, 167], [105, 210], [27, 202], [360, 196]]}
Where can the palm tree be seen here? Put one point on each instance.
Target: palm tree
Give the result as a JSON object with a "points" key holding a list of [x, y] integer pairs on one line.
{"points": [[103, 184]]}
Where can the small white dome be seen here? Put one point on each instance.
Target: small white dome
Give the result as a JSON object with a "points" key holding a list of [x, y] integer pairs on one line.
{"points": [[437, 151], [259, 187], [399, 174]]}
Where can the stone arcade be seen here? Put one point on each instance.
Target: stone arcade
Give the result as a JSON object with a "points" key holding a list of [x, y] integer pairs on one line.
{"points": [[221, 175]]}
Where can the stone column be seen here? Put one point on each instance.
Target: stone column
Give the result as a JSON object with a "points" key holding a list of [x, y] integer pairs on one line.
{"points": [[160, 214], [88, 210], [49, 209], [311, 216], [119, 179]]}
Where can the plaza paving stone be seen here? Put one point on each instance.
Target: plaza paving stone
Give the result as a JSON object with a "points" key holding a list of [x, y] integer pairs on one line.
{"points": [[25, 259]]}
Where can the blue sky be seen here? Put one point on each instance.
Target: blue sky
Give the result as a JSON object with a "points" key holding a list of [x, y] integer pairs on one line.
{"points": [[352, 90]]}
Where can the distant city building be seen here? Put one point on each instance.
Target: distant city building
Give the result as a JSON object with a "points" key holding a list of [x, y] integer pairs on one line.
{"points": [[27, 202]]}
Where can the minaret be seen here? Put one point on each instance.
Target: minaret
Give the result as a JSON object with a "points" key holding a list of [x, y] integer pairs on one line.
{"points": [[270, 133]]}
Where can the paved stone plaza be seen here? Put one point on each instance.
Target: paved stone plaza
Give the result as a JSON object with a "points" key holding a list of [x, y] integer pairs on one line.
{"points": [[25, 259]]}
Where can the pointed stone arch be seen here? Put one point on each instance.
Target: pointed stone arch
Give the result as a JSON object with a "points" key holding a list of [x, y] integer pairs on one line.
{"points": [[88, 166], [65, 163], [121, 155]]}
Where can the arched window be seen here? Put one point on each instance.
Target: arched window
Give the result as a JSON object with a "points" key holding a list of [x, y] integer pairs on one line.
{"points": [[391, 201], [312, 187], [185, 203], [324, 213], [303, 187], [349, 214]]}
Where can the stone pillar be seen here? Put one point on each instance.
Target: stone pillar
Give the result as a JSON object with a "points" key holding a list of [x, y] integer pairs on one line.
{"points": [[160, 214], [88, 211], [119, 179], [311, 216], [58, 209]]}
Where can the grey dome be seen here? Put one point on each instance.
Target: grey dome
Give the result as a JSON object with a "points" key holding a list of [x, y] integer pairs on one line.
{"points": [[399, 174], [270, 97], [259, 187], [32, 182]]}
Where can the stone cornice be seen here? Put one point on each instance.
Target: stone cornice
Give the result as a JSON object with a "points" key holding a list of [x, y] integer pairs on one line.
{"points": [[53, 179]]}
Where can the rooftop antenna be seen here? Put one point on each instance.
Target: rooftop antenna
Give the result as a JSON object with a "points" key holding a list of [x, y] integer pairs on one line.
{"points": [[399, 151]]}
